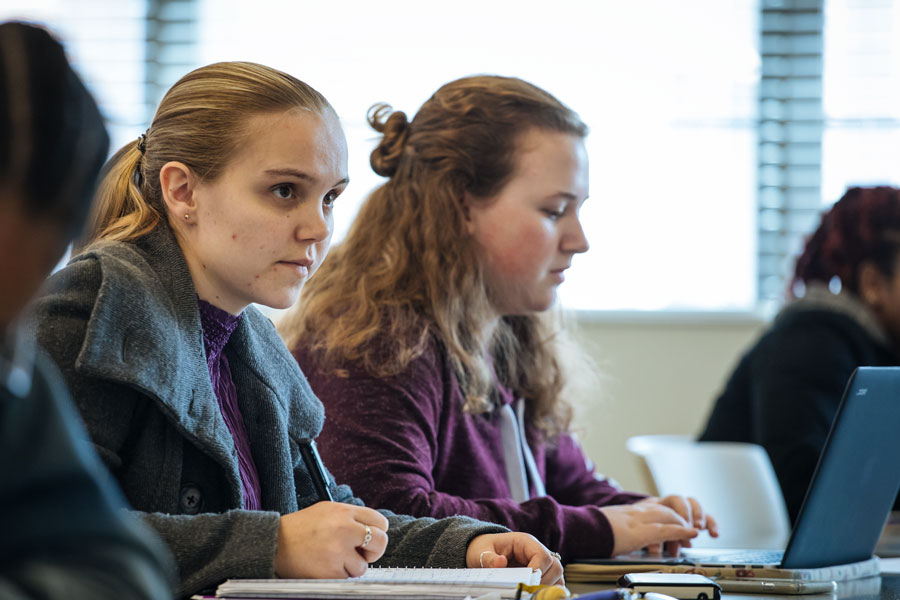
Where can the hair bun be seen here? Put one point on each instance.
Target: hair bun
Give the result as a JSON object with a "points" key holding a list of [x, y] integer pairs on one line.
{"points": [[394, 127]]}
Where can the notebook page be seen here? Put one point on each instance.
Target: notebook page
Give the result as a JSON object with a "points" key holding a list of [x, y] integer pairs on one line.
{"points": [[502, 578], [434, 584]]}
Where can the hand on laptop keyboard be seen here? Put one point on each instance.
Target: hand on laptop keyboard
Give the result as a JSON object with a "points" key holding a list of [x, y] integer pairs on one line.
{"points": [[657, 523], [691, 511]]}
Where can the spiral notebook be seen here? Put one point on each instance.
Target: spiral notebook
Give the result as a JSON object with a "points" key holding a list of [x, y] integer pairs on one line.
{"points": [[407, 583]]}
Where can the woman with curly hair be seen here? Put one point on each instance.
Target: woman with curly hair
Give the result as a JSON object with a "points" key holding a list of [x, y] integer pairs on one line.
{"points": [[427, 333]]}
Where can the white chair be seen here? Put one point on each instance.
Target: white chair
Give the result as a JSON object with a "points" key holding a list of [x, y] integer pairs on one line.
{"points": [[734, 482]]}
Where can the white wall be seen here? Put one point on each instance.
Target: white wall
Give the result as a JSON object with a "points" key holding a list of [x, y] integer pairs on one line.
{"points": [[662, 374]]}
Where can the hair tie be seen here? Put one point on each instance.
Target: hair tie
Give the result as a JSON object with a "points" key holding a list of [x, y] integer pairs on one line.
{"points": [[142, 142]]}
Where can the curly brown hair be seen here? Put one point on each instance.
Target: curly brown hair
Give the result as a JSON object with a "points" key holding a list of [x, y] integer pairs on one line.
{"points": [[408, 273], [863, 226]]}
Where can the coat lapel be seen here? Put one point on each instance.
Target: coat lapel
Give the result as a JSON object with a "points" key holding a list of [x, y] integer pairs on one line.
{"points": [[145, 332], [272, 403]]}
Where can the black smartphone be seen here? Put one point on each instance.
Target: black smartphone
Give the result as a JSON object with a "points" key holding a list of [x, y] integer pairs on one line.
{"points": [[684, 586]]}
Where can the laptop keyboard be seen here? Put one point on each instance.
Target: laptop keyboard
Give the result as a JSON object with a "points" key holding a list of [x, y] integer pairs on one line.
{"points": [[739, 557]]}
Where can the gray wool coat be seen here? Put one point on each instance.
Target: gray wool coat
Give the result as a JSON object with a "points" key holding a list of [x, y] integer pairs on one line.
{"points": [[122, 322]]}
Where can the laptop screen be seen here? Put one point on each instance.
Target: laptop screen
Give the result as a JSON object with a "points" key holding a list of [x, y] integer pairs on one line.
{"points": [[857, 478]]}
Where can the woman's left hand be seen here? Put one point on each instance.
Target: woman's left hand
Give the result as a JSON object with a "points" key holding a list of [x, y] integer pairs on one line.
{"points": [[515, 549], [691, 511]]}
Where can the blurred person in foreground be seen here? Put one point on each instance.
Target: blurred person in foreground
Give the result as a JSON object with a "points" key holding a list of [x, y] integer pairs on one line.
{"points": [[63, 531]]}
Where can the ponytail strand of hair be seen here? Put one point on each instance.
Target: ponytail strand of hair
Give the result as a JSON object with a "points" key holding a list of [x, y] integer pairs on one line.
{"points": [[120, 210]]}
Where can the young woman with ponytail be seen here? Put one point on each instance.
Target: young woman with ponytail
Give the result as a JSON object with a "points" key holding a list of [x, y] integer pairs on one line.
{"points": [[427, 334], [844, 313], [188, 393]]}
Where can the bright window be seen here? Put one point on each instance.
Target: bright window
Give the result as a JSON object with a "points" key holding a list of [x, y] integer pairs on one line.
{"points": [[861, 142], [668, 89]]}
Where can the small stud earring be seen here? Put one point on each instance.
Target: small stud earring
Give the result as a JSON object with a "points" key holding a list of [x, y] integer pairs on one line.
{"points": [[186, 216]]}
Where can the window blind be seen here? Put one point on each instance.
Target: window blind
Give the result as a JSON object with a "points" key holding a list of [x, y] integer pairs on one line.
{"points": [[128, 52], [790, 127], [171, 47]]}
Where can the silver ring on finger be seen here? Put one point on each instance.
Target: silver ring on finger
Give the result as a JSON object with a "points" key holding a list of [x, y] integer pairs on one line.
{"points": [[367, 538], [556, 556]]}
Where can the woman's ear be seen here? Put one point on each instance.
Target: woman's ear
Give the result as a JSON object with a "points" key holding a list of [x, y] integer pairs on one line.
{"points": [[177, 182], [872, 285]]}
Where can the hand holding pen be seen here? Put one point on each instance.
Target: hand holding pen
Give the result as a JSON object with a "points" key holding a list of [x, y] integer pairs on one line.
{"points": [[328, 539]]}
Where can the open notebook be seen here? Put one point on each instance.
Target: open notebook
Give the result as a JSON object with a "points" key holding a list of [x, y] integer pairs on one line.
{"points": [[431, 584]]}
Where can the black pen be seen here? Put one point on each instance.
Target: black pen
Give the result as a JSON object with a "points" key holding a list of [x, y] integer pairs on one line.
{"points": [[315, 468]]}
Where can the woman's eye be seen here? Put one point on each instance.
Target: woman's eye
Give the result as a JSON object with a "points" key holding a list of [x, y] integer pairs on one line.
{"points": [[553, 213], [283, 191], [330, 197]]}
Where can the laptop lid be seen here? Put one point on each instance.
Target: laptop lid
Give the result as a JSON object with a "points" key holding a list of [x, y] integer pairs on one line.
{"points": [[851, 492], [857, 477]]}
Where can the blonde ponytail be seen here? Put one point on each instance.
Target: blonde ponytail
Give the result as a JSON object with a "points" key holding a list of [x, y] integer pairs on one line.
{"points": [[120, 210]]}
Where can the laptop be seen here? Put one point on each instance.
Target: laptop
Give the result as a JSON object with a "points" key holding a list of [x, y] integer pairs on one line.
{"points": [[849, 497]]}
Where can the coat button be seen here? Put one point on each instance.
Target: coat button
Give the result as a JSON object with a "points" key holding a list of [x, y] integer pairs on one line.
{"points": [[191, 500]]}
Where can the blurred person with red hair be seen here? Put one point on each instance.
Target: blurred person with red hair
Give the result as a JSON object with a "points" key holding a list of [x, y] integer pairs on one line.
{"points": [[844, 313]]}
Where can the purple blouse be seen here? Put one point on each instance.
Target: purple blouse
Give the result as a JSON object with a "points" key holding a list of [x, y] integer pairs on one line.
{"points": [[218, 326]]}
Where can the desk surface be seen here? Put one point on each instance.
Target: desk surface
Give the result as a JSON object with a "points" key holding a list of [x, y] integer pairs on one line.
{"points": [[886, 587]]}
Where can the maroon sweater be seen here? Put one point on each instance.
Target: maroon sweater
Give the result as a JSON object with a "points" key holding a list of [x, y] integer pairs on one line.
{"points": [[405, 444]]}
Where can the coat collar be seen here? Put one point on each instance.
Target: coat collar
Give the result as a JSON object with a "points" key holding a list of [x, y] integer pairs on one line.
{"points": [[144, 332], [819, 297]]}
